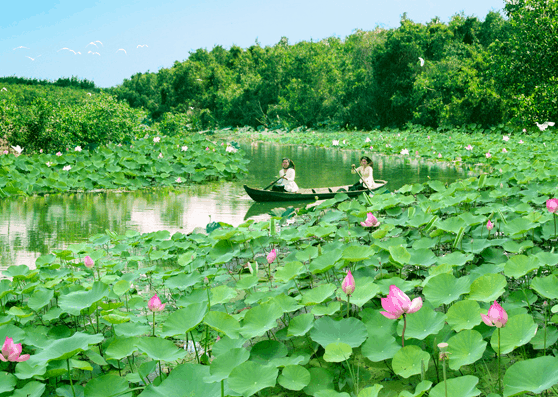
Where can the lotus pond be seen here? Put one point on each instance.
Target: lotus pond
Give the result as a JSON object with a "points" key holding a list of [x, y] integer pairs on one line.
{"points": [[268, 308]]}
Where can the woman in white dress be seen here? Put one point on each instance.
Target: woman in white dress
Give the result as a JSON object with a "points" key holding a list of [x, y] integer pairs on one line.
{"points": [[287, 174], [366, 172]]}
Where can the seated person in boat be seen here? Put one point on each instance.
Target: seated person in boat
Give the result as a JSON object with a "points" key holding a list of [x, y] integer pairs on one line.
{"points": [[287, 182], [366, 173]]}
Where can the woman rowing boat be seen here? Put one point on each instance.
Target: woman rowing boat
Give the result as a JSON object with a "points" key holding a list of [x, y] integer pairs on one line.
{"points": [[286, 183], [366, 174]]}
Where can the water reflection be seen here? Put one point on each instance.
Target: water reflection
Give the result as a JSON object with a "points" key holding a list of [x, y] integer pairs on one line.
{"points": [[31, 226]]}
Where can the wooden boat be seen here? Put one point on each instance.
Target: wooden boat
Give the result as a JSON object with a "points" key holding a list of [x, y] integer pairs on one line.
{"points": [[307, 194]]}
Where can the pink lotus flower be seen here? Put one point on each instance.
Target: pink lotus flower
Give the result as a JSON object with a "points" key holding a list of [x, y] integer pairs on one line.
{"points": [[348, 284], [398, 303], [271, 256], [504, 150], [12, 352], [469, 147], [496, 316], [521, 141], [506, 138], [370, 221], [59, 154], [489, 225], [88, 262], [552, 205], [488, 155], [156, 139], [155, 304], [439, 155]]}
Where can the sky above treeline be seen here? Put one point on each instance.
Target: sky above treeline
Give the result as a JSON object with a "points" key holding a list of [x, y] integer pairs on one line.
{"points": [[107, 41]]}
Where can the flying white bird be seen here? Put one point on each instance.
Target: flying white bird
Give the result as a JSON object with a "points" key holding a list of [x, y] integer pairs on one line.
{"points": [[91, 43], [26, 56], [66, 48], [93, 53], [545, 125], [421, 61], [142, 45], [4, 89], [122, 49], [97, 41], [20, 47]]}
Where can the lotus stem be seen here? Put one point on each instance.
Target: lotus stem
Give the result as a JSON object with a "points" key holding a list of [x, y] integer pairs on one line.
{"points": [[445, 377], [153, 323], [348, 305], [70, 377], [499, 369], [194, 344], [403, 332]]}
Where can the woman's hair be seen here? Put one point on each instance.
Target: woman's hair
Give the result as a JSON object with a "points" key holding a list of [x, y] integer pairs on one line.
{"points": [[368, 160], [291, 163]]}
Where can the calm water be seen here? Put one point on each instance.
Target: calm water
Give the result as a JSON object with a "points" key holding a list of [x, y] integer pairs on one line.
{"points": [[31, 226]]}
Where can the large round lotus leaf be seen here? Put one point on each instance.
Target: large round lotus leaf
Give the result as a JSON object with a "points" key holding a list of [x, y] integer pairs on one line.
{"points": [[399, 254], [74, 302], [455, 259], [380, 347], [421, 388], [225, 344], [121, 287], [403, 285], [132, 329], [519, 330], [464, 386], [320, 379], [222, 294], [40, 298], [31, 389], [488, 288], [7, 382], [522, 298], [463, 315], [547, 287], [266, 350], [223, 364], [294, 377], [120, 348], [519, 265], [370, 391], [517, 227], [445, 288], [107, 386], [337, 352], [286, 303], [183, 280], [329, 310], [288, 271], [377, 324], [247, 282], [364, 291], [422, 323], [451, 225], [543, 339], [160, 349], [423, 257], [517, 248], [331, 393], [176, 386], [318, 294], [407, 361], [222, 322], [300, 324], [184, 320], [260, 319], [465, 348], [347, 330], [534, 375], [250, 377]]}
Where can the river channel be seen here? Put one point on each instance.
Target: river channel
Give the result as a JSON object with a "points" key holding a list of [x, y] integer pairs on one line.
{"points": [[32, 226]]}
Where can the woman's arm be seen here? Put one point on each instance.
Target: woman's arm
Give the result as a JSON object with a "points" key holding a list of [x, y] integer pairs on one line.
{"points": [[290, 175]]}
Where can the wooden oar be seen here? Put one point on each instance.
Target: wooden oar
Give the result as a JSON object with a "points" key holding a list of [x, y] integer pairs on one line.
{"points": [[363, 181], [272, 183]]}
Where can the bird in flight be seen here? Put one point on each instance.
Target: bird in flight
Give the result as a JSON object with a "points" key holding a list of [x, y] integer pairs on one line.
{"points": [[93, 53], [421, 61], [545, 125], [66, 48], [27, 56], [17, 48], [91, 43], [122, 49], [97, 41], [142, 45]]}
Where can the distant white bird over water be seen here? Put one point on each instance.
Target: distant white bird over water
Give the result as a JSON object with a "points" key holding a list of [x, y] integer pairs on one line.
{"points": [[142, 45], [122, 49], [26, 56], [92, 43], [545, 125], [421, 61], [97, 41], [93, 53], [66, 48], [17, 48]]}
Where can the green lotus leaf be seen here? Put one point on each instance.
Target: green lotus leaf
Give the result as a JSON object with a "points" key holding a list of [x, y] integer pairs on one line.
{"points": [[248, 282], [347, 330], [160, 349], [331, 393], [120, 348], [337, 352], [223, 364], [519, 265], [465, 348], [463, 386], [463, 315], [7, 382], [399, 255], [74, 302], [543, 339], [184, 320], [225, 344], [320, 379], [121, 287], [519, 330], [260, 319], [286, 303], [451, 225], [455, 259], [183, 281], [357, 253], [517, 227], [267, 350], [40, 298], [222, 294], [31, 389], [370, 391], [403, 285], [329, 310], [294, 377], [547, 286], [300, 324], [422, 323], [175, 385], [547, 258], [365, 290], [131, 329], [488, 288], [222, 322], [533, 375], [421, 388], [407, 361], [318, 294], [250, 377], [445, 288], [107, 386], [289, 271], [517, 248], [380, 347], [423, 257], [377, 324]]}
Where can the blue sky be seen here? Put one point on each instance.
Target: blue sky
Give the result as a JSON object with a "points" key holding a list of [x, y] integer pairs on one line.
{"points": [[131, 36]]}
